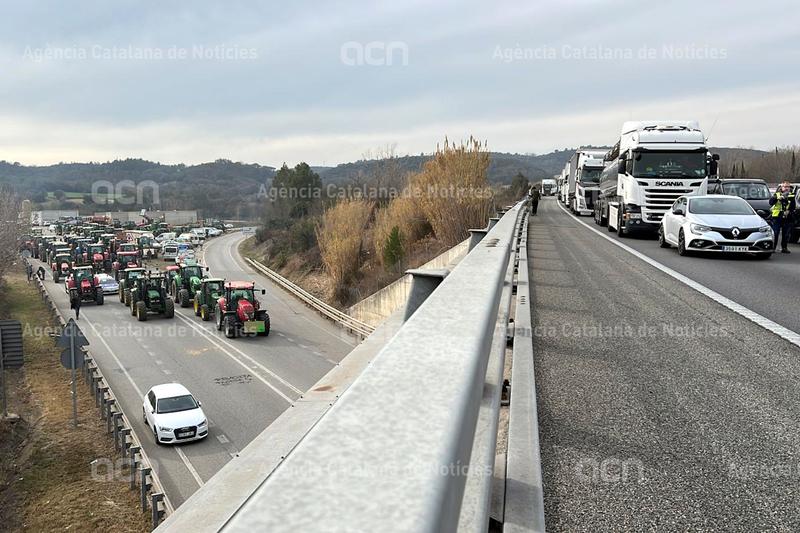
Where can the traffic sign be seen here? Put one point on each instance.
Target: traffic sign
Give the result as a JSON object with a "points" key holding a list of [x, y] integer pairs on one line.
{"points": [[71, 330], [66, 359]]}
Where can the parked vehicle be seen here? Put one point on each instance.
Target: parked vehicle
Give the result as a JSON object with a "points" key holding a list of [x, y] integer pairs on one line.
{"points": [[715, 223], [581, 178], [169, 251], [108, 283], [548, 187], [754, 191], [206, 298], [126, 280], [651, 165], [173, 414], [239, 312]]}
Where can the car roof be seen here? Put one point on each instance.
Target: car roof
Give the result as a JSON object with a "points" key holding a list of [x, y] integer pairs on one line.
{"points": [[168, 390], [743, 180]]}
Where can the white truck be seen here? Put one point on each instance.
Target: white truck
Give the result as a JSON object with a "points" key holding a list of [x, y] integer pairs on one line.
{"points": [[548, 187], [562, 180], [582, 178], [651, 165]]}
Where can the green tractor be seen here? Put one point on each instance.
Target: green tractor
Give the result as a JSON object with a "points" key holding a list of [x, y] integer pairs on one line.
{"points": [[149, 295], [127, 279], [205, 299], [186, 283]]}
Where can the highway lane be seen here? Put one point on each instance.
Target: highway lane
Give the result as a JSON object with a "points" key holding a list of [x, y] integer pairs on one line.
{"points": [[244, 384], [659, 409], [767, 287]]}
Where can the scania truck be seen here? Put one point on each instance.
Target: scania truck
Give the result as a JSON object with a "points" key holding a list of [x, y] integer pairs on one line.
{"points": [[652, 164], [582, 178]]}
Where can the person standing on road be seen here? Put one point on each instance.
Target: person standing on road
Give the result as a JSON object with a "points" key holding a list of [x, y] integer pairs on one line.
{"points": [[75, 303], [782, 210], [29, 271], [534, 200]]}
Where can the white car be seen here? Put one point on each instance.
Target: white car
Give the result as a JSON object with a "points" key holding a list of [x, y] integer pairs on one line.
{"points": [[715, 223], [174, 415]]}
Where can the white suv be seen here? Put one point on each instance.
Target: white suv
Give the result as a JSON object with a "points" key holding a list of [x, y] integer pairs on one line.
{"points": [[173, 414]]}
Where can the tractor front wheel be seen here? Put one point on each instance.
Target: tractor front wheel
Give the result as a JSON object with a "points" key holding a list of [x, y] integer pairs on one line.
{"points": [[184, 298], [169, 309], [230, 328], [141, 312], [218, 314], [197, 304], [133, 308], [100, 297], [266, 327], [204, 314]]}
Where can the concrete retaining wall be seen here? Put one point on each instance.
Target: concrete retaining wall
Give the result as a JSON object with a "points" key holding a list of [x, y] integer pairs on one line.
{"points": [[375, 308]]}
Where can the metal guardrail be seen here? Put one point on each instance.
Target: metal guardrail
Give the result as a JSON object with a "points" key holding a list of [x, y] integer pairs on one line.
{"points": [[361, 329], [141, 471], [409, 445]]}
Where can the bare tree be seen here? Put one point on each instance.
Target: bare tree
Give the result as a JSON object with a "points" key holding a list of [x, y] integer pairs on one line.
{"points": [[11, 227]]}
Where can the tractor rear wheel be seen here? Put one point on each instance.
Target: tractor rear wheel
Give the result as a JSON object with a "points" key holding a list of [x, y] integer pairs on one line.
{"points": [[169, 309], [230, 330], [266, 326], [121, 295], [184, 298], [204, 314], [141, 312], [133, 308]]}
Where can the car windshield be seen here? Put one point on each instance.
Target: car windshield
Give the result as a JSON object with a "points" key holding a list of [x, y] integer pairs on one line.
{"points": [[591, 175], [748, 191], [176, 403], [669, 164], [720, 206]]}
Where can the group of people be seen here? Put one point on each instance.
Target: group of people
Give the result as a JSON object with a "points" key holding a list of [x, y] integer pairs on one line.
{"points": [[75, 299], [782, 215]]}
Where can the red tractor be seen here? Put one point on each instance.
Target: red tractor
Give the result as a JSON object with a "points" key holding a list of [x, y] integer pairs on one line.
{"points": [[85, 285], [124, 261], [238, 311], [98, 257], [61, 266]]}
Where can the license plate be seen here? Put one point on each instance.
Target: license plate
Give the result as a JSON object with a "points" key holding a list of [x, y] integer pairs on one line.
{"points": [[185, 434], [735, 248], [254, 327]]}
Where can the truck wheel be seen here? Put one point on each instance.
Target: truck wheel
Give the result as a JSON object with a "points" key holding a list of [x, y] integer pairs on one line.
{"points": [[100, 299], [141, 312], [184, 298], [230, 330], [169, 308], [204, 314]]}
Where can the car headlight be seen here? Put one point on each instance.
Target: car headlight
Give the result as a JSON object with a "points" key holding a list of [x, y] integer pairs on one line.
{"points": [[699, 229], [163, 428], [765, 229], [203, 423]]}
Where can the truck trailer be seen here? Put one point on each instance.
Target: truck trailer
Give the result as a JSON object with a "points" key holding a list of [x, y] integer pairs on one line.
{"points": [[652, 164]]}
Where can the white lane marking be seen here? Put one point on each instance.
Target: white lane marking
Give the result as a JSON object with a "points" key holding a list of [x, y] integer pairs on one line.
{"points": [[213, 341], [223, 439], [781, 331], [192, 471], [186, 462], [289, 339], [281, 334]]}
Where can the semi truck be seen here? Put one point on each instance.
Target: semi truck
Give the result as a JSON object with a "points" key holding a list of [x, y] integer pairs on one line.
{"points": [[581, 180], [548, 187], [652, 164]]}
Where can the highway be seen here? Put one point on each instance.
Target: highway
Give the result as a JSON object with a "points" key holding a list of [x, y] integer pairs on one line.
{"points": [[660, 409], [244, 384]]}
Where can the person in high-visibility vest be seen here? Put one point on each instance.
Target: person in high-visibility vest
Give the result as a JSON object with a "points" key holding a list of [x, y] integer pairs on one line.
{"points": [[782, 207]]}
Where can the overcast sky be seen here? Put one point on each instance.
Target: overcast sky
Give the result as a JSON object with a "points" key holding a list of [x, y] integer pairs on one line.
{"points": [[326, 82]]}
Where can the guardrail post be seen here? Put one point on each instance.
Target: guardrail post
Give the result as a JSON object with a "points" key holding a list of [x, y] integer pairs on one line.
{"points": [[102, 389], [134, 450], [144, 485], [476, 236], [158, 513], [423, 283], [123, 437], [115, 425], [96, 389]]}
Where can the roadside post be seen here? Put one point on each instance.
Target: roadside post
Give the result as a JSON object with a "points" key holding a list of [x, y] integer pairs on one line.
{"points": [[72, 339]]}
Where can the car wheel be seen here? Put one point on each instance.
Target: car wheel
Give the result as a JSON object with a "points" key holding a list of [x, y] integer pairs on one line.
{"points": [[662, 241], [155, 436], [682, 245], [144, 417]]}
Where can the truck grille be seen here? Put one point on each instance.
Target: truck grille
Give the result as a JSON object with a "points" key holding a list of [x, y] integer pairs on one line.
{"points": [[658, 201]]}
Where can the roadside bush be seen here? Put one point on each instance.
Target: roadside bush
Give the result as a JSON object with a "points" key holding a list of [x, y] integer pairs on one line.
{"points": [[393, 251], [339, 238], [405, 214], [303, 235]]}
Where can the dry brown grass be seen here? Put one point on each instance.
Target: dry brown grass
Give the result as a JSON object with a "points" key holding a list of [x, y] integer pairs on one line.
{"points": [[47, 483], [339, 236], [452, 190]]}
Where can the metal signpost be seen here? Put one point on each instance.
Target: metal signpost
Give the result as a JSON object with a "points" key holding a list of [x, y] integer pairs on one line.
{"points": [[72, 340]]}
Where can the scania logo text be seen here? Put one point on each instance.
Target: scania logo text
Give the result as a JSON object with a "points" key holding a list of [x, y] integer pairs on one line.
{"points": [[669, 183]]}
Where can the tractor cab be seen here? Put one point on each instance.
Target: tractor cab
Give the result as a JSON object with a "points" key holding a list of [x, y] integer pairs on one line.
{"points": [[239, 312], [84, 284], [149, 295], [186, 283], [61, 266], [126, 260], [126, 280], [100, 259], [211, 290]]}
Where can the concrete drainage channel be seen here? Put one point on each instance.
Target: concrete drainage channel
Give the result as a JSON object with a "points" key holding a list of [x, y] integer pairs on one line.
{"points": [[142, 474]]}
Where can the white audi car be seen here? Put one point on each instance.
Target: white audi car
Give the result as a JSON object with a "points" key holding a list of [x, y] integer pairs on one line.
{"points": [[715, 223], [174, 415]]}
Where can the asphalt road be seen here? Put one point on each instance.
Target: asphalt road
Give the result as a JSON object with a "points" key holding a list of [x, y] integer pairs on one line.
{"points": [[659, 409], [244, 384]]}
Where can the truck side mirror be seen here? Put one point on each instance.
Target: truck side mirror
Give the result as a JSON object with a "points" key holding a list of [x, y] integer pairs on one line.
{"points": [[623, 166]]}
